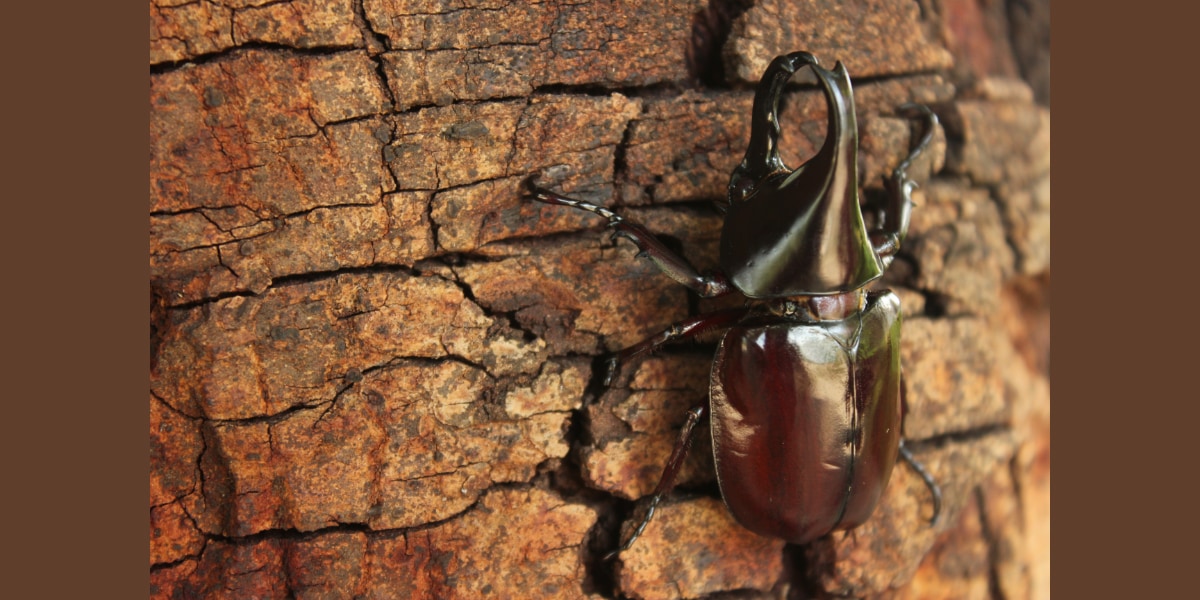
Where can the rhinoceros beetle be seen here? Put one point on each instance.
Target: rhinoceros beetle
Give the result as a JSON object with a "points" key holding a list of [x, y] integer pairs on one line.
{"points": [[805, 392]]}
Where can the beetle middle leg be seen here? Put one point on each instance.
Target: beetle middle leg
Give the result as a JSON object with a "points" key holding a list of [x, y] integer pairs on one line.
{"points": [[666, 482], [673, 265], [916, 465], [687, 328], [934, 488]]}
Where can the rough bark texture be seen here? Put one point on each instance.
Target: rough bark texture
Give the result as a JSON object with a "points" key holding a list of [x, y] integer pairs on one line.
{"points": [[375, 368]]}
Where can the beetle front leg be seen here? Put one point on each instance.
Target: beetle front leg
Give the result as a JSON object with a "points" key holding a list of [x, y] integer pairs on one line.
{"points": [[673, 265], [893, 227], [670, 472], [687, 328]]}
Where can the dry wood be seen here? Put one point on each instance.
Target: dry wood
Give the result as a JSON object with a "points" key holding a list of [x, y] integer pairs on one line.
{"points": [[375, 366]]}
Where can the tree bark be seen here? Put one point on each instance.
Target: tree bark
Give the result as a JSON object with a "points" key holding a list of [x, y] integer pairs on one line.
{"points": [[377, 369]]}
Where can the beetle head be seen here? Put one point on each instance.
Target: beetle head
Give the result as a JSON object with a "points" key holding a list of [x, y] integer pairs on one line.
{"points": [[798, 232]]}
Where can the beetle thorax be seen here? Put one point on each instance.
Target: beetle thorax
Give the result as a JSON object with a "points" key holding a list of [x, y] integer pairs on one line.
{"points": [[810, 309]]}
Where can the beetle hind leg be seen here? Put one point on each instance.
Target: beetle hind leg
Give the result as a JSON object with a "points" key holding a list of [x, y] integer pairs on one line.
{"points": [[934, 488], [649, 246], [666, 482]]}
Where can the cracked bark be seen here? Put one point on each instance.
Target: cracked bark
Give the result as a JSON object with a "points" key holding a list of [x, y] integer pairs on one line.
{"points": [[373, 365]]}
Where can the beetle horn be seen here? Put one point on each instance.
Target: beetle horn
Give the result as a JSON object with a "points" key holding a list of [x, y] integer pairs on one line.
{"points": [[798, 232], [762, 155]]}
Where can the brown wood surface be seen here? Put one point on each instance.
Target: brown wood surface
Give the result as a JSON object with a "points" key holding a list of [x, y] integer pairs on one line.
{"points": [[375, 368]]}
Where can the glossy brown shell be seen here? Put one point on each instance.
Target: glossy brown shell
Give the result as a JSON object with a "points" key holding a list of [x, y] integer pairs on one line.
{"points": [[806, 420], [799, 232]]}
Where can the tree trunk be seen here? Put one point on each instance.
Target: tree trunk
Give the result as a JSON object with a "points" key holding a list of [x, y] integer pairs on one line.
{"points": [[377, 370]]}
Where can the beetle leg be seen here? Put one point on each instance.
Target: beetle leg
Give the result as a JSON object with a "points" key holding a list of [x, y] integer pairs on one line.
{"points": [[667, 482], [912, 461], [673, 265], [893, 227], [934, 488], [687, 328]]}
